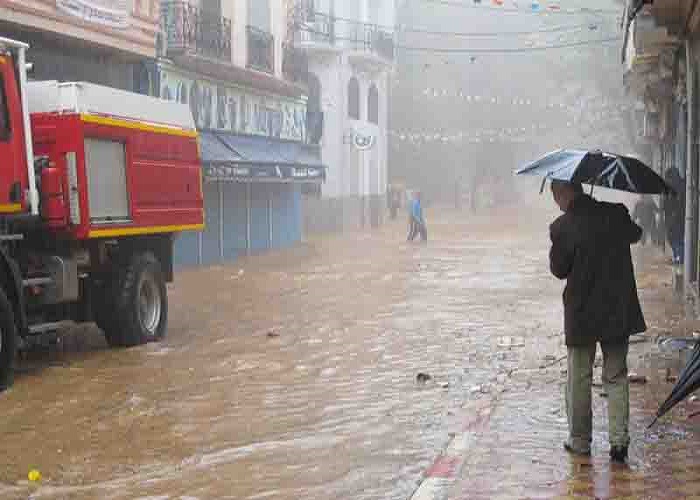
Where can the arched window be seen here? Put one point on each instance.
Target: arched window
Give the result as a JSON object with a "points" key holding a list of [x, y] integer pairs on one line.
{"points": [[354, 99], [373, 105]]}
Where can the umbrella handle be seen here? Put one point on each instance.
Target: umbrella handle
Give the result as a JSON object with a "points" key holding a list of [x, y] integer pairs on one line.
{"points": [[652, 424], [544, 180]]}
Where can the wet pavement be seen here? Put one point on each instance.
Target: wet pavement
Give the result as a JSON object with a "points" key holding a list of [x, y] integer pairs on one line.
{"points": [[293, 375]]}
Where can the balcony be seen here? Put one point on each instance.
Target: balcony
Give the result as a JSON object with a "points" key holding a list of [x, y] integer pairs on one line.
{"points": [[649, 57], [371, 39], [322, 32], [191, 31], [261, 50], [315, 28]]}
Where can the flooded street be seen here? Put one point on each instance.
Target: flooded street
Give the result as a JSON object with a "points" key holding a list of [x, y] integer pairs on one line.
{"points": [[294, 375]]}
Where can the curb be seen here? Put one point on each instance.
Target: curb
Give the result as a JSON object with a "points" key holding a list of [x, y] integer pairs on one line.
{"points": [[448, 466]]}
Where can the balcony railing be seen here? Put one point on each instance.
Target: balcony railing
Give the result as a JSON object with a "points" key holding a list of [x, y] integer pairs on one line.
{"points": [[261, 50], [318, 27], [190, 30]]}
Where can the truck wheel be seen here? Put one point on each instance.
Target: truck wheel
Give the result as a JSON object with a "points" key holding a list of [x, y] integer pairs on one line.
{"points": [[140, 308], [8, 342]]}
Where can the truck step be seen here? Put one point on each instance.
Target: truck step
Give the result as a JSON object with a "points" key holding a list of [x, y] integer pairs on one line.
{"points": [[11, 237], [37, 282], [49, 327]]}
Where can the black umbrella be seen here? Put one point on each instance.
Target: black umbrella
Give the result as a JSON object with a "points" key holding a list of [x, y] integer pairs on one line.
{"points": [[597, 168], [688, 382]]}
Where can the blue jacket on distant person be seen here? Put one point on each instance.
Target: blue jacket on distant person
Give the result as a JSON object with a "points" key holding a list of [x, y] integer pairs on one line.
{"points": [[417, 211]]}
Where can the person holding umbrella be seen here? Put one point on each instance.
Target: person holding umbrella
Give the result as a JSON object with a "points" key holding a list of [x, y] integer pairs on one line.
{"points": [[590, 249]]}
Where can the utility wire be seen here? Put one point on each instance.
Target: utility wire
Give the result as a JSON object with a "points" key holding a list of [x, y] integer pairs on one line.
{"points": [[458, 34], [443, 50], [575, 12]]}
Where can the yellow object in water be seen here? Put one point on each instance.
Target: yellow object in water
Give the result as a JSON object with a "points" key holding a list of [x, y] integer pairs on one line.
{"points": [[34, 475]]}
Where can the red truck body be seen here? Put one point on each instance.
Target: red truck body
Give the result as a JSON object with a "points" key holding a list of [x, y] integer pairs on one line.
{"points": [[163, 175], [95, 184]]}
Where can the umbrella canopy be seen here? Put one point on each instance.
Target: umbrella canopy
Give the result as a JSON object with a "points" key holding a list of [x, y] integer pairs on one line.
{"points": [[688, 382], [597, 168]]}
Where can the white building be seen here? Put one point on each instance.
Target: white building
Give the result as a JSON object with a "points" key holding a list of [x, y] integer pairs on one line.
{"points": [[351, 51]]}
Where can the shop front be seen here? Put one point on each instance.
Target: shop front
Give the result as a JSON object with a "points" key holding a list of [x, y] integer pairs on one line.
{"points": [[256, 163]]}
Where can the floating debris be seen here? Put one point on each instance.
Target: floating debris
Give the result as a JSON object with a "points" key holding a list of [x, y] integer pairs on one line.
{"points": [[511, 342], [636, 379], [422, 378], [671, 344]]}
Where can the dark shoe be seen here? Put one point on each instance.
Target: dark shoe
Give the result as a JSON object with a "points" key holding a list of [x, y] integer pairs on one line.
{"points": [[618, 454], [576, 451]]}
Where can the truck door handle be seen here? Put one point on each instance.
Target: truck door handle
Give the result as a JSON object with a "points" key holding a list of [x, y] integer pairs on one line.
{"points": [[16, 192]]}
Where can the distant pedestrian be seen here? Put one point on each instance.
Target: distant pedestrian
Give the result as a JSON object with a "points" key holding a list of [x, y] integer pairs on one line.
{"points": [[645, 215], [417, 221], [395, 203], [674, 215], [591, 250], [458, 194]]}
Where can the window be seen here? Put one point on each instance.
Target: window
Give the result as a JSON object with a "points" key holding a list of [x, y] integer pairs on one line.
{"points": [[314, 115], [142, 79], [259, 15], [4, 113], [354, 99], [373, 105], [314, 99], [211, 7]]}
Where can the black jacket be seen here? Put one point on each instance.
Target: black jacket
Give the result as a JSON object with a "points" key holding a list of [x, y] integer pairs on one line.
{"points": [[591, 250]]}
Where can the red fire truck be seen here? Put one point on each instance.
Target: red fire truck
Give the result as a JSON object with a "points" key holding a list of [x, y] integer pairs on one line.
{"points": [[94, 185]]}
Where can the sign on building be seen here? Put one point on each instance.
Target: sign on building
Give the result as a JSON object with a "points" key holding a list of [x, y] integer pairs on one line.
{"points": [[217, 106], [112, 13]]}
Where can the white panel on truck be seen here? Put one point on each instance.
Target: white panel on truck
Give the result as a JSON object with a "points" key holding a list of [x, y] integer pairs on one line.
{"points": [[51, 96], [105, 164]]}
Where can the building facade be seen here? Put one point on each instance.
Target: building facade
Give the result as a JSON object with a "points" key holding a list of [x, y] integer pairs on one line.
{"points": [[231, 63], [351, 53], [661, 58], [108, 42]]}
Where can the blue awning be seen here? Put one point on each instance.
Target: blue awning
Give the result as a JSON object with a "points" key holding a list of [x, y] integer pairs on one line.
{"points": [[250, 158], [214, 151]]}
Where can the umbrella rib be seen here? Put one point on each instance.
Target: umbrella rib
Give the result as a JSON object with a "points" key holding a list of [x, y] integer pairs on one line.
{"points": [[626, 173], [617, 166]]}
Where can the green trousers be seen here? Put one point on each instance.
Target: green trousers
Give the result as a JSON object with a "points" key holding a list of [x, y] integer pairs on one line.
{"points": [[578, 394]]}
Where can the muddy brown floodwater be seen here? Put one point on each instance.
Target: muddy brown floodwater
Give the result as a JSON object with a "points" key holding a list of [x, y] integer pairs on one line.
{"points": [[292, 375]]}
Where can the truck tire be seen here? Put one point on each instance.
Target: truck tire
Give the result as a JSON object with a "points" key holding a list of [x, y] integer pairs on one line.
{"points": [[8, 342], [139, 309]]}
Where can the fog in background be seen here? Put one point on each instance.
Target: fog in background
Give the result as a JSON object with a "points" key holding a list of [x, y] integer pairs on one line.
{"points": [[448, 133]]}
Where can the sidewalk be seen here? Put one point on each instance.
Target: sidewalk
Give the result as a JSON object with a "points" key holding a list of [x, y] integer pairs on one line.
{"points": [[508, 442]]}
